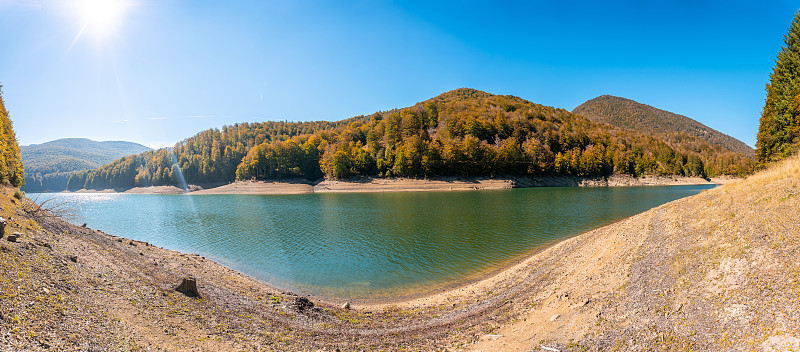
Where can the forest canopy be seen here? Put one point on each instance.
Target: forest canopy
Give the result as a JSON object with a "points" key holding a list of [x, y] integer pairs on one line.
{"points": [[464, 132]]}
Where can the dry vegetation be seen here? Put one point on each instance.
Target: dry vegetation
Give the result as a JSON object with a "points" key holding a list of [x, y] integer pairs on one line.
{"points": [[713, 272], [716, 271]]}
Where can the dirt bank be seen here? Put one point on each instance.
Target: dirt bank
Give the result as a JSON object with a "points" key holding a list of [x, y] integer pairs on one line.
{"points": [[411, 185], [368, 184]]}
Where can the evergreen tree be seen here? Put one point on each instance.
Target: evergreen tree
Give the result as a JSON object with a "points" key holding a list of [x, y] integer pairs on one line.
{"points": [[779, 130]]}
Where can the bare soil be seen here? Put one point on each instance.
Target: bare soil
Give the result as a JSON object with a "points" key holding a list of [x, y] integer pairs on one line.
{"points": [[440, 184]]}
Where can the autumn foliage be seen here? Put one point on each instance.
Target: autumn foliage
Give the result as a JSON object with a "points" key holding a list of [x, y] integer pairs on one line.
{"points": [[11, 171], [464, 132]]}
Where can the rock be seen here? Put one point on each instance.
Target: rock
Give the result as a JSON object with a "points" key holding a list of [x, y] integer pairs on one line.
{"points": [[492, 337], [13, 237], [73, 258], [346, 305], [2, 227], [84, 225], [554, 317], [188, 287]]}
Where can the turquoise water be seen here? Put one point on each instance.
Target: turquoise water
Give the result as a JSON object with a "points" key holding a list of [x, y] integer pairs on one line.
{"points": [[366, 245]]}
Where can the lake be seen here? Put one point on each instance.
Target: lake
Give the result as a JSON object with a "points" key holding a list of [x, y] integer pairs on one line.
{"points": [[366, 245]]}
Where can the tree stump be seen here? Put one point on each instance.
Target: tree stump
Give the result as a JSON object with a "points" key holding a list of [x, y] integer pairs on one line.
{"points": [[188, 287], [302, 304]]}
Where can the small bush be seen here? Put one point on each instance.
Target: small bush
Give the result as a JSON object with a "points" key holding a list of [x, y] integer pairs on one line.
{"points": [[19, 194]]}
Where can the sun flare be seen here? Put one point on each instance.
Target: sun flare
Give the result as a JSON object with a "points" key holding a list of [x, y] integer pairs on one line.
{"points": [[100, 17]]}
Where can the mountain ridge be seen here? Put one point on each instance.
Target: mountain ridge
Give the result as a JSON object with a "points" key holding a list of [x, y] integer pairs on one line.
{"points": [[48, 165], [628, 113]]}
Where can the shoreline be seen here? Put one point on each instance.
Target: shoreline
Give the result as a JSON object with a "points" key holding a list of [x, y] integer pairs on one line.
{"points": [[441, 184], [656, 280]]}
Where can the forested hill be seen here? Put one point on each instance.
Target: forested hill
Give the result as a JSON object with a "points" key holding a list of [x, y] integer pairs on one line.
{"points": [[464, 132], [11, 171], [49, 165], [674, 128]]}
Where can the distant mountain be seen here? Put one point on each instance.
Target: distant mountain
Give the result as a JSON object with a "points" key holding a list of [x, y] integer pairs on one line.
{"points": [[49, 165], [672, 127]]}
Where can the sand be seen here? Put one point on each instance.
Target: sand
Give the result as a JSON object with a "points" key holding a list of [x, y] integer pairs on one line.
{"points": [[252, 187], [378, 185]]}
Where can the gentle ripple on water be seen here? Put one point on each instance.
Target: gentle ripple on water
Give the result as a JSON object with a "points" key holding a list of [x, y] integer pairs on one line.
{"points": [[375, 245]]}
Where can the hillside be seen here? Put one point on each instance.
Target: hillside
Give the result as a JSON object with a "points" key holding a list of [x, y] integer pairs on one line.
{"points": [[464, 132], [705, 273], [49, 165], [680, 132], [11, 170]]}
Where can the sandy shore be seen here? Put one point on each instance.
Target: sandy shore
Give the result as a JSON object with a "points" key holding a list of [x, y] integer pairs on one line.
{"points": [[378, 185], [411, 185], [252, 187]]}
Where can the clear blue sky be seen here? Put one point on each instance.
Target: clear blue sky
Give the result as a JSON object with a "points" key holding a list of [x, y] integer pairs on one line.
{"points": [[159, 71]]}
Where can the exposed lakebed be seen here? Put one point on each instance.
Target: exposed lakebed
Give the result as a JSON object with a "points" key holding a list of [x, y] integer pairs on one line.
{"points": [[366, 245]]}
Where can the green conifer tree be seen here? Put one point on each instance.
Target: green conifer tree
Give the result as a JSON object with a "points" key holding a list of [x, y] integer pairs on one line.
{"points": [[779, 130]]}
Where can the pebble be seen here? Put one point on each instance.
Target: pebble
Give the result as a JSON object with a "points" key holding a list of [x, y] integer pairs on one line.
{"points": [[554, 317], [13, 237], [346, 305], [492, 337]]}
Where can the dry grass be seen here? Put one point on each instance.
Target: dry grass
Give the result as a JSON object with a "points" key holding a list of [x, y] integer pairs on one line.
{"points": [[713, 272]]}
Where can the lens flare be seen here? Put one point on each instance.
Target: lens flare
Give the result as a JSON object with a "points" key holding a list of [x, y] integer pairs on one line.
{"points": [[101, 18]]}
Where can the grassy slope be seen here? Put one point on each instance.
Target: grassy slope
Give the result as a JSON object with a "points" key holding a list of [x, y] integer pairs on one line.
{"points": [[716, 271]]}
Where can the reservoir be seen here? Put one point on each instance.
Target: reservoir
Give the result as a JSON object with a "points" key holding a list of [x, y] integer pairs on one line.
{"points": [[366, 245]]}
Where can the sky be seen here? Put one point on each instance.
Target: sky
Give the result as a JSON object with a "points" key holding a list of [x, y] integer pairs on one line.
{"points": [[159, 71]]}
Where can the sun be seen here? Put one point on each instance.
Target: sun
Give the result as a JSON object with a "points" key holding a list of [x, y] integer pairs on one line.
{"points": [[101, 18]]}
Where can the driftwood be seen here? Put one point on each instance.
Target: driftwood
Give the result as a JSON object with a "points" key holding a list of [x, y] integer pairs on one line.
{"points": [[188, 287]]}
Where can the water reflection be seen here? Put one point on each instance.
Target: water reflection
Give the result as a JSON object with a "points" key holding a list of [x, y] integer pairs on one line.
{"points": [[366, 245]]}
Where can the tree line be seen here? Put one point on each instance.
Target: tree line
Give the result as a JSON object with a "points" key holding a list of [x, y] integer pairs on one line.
{"points": [[464, 132]]}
